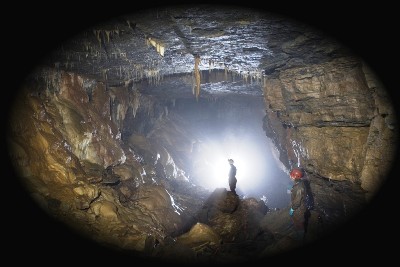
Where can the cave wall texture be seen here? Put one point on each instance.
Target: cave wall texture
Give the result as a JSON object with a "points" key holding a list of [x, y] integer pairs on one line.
{"points": [[334, 119], [87, 153], [62, 143]]}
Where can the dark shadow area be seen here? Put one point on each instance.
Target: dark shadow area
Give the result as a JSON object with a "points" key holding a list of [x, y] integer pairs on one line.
{"points": [[310, 205], [30, 230]]}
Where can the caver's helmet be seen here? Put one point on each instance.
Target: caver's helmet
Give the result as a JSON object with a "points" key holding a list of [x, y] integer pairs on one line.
{"points": [[296, 173]]}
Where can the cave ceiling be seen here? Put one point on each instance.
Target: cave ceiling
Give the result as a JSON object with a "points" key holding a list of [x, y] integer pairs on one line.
{"points": [[237, 48]]}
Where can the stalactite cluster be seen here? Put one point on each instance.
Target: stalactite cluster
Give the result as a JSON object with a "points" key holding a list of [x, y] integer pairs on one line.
{"points": [[157, 44], [153, 76]]}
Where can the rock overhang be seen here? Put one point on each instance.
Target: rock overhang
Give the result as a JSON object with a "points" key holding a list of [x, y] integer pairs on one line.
{"points": [[246, 45]]}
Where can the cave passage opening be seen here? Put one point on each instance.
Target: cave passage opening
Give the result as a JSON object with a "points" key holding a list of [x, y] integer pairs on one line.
{"points": [[231, 126]]}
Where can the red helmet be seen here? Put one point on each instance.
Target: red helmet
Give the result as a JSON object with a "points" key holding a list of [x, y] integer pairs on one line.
{"points": [[296, 173]]}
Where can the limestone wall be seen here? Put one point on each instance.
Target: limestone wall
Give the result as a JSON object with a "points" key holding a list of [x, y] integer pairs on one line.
{"points": [[334, 119]]}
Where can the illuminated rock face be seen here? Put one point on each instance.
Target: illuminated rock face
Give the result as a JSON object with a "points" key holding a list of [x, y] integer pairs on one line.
{"points": [[67, 148], [330, 119], [100, 139]]}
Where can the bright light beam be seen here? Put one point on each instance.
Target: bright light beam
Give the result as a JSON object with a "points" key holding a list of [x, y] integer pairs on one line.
{"points": [[249, 159]]}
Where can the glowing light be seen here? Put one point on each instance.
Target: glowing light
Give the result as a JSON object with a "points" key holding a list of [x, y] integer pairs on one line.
{"points": [[212, 166]]}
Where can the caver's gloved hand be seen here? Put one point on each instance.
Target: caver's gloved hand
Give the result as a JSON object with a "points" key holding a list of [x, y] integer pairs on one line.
{"points": [[291, 212]]}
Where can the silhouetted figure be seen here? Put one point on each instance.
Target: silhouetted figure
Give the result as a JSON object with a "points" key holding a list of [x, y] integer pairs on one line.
{"points": [[232, 176], [299, 212]]}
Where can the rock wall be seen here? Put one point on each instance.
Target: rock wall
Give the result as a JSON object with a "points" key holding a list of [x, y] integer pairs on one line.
{"points": [[65, 143], [334, 119]]}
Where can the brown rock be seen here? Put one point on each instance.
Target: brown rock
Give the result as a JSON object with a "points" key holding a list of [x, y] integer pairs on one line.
{"points": [[105, 210], [199, 234]]}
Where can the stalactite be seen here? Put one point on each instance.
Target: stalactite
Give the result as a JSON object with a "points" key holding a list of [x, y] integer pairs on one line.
{"points": [[226, 72], [245, 77], [153, 75], [160, 47], [121, 111], [108, 35], [135, 102], [197, 76], [210, 65], [137, 72], [98, 37]]}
